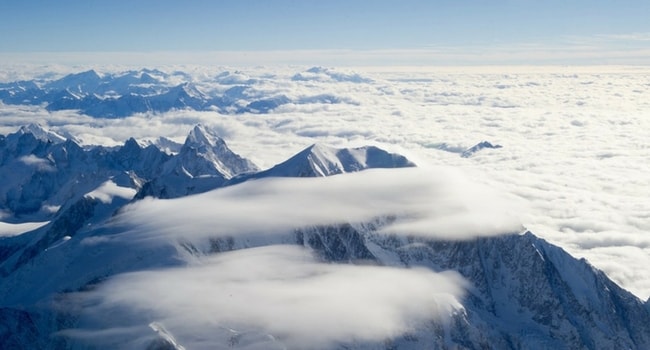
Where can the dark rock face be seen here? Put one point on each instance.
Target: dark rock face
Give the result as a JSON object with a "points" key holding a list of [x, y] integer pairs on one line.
{"points": [[18, 328], [342, 243], [523, 292], [536, 295]]}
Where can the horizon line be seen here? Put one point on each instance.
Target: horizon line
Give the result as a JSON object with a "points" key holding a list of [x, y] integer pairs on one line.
{"points": [[519, 55]]}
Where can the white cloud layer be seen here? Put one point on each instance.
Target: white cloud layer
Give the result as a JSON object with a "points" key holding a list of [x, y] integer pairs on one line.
{"points": [[108, 190], [8, 230], [574, 139], [435, 202], [264, 298]]}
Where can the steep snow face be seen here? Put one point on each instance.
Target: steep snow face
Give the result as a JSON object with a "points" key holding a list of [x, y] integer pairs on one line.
{"points": [[319, 161], [166, 145], [206, 144]]}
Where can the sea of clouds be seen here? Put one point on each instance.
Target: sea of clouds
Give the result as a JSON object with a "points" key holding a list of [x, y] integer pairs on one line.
{"points": [[573, 168]]}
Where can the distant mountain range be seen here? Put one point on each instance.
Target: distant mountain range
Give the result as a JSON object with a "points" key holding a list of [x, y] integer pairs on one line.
{"points": [[523, 293], [153, 91]]}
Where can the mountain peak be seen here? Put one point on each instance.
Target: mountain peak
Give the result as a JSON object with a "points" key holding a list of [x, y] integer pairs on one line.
{"points": [[85, 76], [206, 144], [317, 69], [320, 160], [90, 74], [202, 136], [329, 161], [41, 133], [187, 89], [323, 74], [320, 149], [204, 162], [83, 82], [477, 147], [132, 145]]}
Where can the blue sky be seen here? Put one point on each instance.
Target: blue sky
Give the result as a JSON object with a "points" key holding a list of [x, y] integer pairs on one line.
{"points": [[458, 27]]}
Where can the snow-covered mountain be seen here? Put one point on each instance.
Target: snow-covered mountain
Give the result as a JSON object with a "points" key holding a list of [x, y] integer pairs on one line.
{"points": [[41, 172], [149, 90], [320, 160], [521, 291], [325, 74], [477, 147], [525, 293], [204, 162]]}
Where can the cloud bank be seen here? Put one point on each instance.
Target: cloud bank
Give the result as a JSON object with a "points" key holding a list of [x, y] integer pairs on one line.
{"points": [[269, 297], [435, 203]]}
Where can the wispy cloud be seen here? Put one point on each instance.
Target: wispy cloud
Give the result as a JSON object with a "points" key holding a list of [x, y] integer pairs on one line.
{"points": [[34, 161], [573, 50], [626, 37]]}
